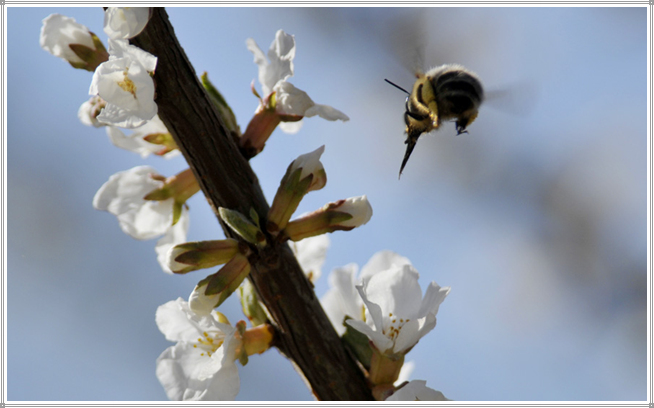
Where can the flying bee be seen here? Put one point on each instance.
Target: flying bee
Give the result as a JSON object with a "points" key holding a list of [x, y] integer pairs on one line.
{"points": [[443, 93]]}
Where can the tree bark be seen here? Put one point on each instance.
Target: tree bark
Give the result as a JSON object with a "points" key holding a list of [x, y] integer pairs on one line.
{"points": [[303, 331]]}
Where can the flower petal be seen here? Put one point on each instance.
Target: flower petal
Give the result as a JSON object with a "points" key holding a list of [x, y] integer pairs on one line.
{"points": [[342, 298], [434, 296], [382, 261], [172, 320], [125, 22], [311, 253], [381, 342], [174, 236], [59, 31], [417, 390], [326, 112]]}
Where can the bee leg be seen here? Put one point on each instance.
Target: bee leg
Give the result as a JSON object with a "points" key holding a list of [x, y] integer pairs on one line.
{"points": [[463, 122]]}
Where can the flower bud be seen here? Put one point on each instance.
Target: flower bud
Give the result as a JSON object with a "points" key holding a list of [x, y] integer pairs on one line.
{"points": [[63, 37], [89, 111], [212, 291], [304, 174], [181, 187], [341, 215], [191, 256], [252, 308]]}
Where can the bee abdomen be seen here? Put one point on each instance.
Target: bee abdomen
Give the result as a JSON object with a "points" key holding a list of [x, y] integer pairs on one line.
{"points": [[459, 88]]}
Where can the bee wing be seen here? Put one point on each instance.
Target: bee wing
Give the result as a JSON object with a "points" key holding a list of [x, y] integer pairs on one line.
{"points": [[408, 40], [518, 98]]}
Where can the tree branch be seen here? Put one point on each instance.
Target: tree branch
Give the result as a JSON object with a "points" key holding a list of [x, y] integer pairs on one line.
{"points": [[304, 332]]}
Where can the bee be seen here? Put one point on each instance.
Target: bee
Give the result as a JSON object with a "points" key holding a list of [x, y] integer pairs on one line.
{"points": [[443, 93]]}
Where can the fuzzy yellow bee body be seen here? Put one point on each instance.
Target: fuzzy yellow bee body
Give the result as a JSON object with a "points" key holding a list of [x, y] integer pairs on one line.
{"points": [[443, 93]]}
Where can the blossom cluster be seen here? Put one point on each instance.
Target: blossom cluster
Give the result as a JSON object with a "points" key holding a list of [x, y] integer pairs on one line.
{"points": [[381, 314]]}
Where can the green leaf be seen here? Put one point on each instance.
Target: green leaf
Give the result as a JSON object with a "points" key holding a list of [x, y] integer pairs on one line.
{"points": [[358, 343]]}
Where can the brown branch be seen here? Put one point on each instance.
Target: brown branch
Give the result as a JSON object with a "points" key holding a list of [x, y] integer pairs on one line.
{"points": [[305, 334]]}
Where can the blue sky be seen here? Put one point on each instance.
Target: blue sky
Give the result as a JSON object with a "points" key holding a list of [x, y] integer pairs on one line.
{"points": [[536, 218]]}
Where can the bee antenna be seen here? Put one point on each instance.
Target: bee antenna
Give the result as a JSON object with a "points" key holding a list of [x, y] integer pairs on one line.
{"points": [[397, 86]]}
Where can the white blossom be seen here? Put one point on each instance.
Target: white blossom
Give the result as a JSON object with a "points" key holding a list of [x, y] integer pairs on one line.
{"points": [[136, 143], [417, 390], [122, 195], [279, 65], [125, 22], [310, 254], [202, 365], [124, 82], [343, 298], [59, 32], [273, 74], [397, 315]]}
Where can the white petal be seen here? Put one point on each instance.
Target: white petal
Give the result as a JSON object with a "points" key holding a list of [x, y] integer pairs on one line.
{"points": [[405, 372], [360, 210], [59, 31], [377, 336], [343, 280], [311, 253], [179, 368], [381, 342], [125, 22], [224, 385], [134, 182], [280, 54], [308, 162], [135, 141], [116, 116], [342, 298], [382, 261], [427, 324], [290, 128], [150, 220], [279, 67], [122, 195], [131, 143], [407, 337], [326, 112], [173, 321], [200, 303], [397, 291], [174, 236], [123, 49], [417, 390], [434, 296], [291, 100]]}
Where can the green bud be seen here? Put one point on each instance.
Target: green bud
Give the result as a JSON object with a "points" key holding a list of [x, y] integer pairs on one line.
{"points": [[242, 226], [252, 308], [227, 279], [226, 113]]}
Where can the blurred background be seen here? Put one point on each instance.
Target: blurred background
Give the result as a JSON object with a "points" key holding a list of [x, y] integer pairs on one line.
{"points": [[536, 218]]}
